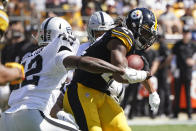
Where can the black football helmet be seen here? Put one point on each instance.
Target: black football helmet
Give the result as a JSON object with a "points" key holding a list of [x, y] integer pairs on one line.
{"points": [[143, 23]]}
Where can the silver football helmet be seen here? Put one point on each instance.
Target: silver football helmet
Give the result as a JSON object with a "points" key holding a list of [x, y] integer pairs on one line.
{"points": [[51, 28], [99, 21]]}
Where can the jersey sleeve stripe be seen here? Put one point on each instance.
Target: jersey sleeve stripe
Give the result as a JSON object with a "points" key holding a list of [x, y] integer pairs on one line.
{"points": [[125, 38]]}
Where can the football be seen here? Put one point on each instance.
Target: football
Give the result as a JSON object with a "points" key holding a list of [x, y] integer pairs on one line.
{"points": [[135, 62]]}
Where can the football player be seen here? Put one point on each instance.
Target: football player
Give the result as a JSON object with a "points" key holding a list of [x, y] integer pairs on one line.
{"points": [[11, 73], [46, 70], [87, 97], [98, 24]]}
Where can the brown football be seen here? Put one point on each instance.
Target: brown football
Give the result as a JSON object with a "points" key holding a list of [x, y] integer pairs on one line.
{"points": [[135, 62]]}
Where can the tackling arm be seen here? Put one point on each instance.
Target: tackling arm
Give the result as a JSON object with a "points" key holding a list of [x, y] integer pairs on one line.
{"points": [[8, 74], [91, 64], [57, 107], [148, 86]]}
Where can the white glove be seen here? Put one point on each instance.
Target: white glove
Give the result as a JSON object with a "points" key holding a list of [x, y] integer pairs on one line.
{"points": [[154, 101], [116, 91], [115, 88], [134, 76]]}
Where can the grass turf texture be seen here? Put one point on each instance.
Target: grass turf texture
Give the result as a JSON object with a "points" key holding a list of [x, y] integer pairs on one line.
{"points": [[165, 128]]}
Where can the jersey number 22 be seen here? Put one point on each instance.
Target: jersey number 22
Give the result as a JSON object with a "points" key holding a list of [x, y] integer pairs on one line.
{"points": [[33, 70]]}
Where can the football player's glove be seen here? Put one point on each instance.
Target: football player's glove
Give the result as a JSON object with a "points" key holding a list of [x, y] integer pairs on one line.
{"points": [[154, 101], [19, 66], [134, 76], [116, 89]]}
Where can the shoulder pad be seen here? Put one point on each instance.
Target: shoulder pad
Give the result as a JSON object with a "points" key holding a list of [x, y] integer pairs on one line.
{"points": [[125, 35]]}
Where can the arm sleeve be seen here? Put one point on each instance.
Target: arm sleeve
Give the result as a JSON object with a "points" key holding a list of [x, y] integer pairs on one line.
{"points": [[124, 35], [60, 57], [65, 51]]}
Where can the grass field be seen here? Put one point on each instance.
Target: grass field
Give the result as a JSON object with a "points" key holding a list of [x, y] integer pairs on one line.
{"points": [[165, 128]]}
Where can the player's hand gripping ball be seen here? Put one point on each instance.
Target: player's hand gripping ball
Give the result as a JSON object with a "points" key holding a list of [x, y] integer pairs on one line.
{"points": [[19, 66], [135, 62]]}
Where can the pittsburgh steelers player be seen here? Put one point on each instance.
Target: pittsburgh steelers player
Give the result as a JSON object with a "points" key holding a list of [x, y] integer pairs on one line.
{"points": [[87, 97], [14, 71], [11, 72], [98, 24]]}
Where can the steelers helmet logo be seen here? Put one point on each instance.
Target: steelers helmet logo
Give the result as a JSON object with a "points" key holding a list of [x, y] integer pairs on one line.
{"points": [[137, 14]]}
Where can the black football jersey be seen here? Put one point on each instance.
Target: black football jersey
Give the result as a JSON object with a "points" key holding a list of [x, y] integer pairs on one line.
{"points": [[99, 50]]}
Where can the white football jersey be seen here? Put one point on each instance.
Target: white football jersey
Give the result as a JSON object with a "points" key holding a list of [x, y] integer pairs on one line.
{"points": [[82, 48], [45, 74]]}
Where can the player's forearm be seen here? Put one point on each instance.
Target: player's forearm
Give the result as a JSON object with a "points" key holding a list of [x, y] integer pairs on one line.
{"points": [[95, 65], [91, 64], [8, 74], [148, 85], [58, 106], [154, 67]]}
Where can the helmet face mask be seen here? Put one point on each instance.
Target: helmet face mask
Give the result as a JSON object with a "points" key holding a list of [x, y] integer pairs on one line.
{"points": [[146, 37], [99, 22], [143, 24]]}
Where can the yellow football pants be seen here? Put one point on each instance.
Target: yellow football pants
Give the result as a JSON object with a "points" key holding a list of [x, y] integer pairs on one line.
{"points": [[94, 110]]}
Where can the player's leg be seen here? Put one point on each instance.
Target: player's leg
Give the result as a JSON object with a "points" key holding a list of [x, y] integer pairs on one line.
{"points": [[51, 124], [82, 102], [4, 96], [34, 120], [188, 97], [67, 117], [2, 123], [112, 116], [18, 121]]}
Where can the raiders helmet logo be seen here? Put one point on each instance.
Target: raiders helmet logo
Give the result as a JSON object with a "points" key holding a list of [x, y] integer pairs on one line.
{"points": [[136, 14]]}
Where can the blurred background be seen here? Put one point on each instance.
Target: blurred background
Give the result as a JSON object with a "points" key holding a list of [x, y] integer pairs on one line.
{"points": [[177, 24]]}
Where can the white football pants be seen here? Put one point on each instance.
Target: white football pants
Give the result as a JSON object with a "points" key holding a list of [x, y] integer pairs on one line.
{"points": [[33, 120]]}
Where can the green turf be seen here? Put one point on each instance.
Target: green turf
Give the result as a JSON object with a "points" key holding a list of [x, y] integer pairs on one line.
{"points": [[165, 128]]}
